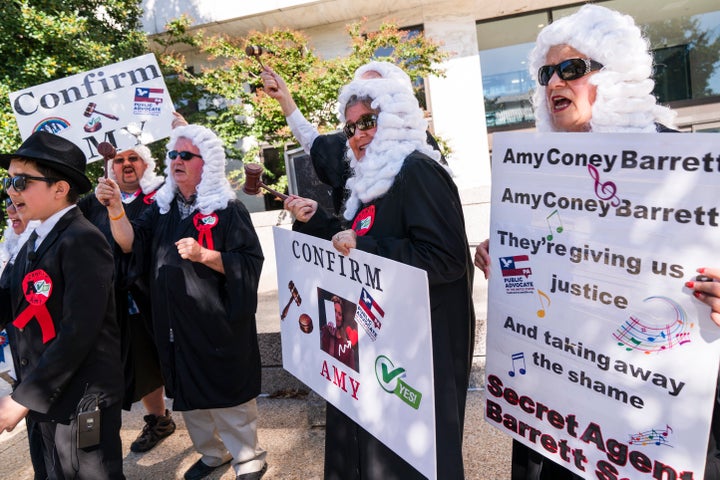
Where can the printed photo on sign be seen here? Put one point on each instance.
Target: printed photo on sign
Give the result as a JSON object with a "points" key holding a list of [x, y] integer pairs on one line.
{"points": [[338, 329]]}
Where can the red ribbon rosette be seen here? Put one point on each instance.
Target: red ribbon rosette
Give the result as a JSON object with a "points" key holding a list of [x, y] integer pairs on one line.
{"points": [[203, 224], [364, 220], [150, 198], [37, 287]]}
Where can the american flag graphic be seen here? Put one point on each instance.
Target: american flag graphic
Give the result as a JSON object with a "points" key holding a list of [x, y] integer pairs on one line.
{"points": [[150, 95], [510, 268]]}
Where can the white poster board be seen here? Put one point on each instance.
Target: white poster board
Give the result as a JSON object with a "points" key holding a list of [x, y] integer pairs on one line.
{"points": [[126, 103], [382, 376], [598, 356]]}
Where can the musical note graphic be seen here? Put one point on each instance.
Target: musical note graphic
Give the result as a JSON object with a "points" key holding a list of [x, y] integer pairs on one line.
{"points": [[517, 357], [652, 436], [641, 336], [541, 312], [606, 191], [558, 229]]}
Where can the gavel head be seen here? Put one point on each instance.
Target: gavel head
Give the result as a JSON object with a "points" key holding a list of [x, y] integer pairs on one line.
{"points": [[254, 50], [107, 150], [90, 109], [253, 172]]}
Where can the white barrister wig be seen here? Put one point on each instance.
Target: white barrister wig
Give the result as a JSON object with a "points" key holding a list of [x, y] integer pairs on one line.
{"points": [[12, 242], [150, 181], [385, 70], [624, 100], [401, 129], [214, 190]]}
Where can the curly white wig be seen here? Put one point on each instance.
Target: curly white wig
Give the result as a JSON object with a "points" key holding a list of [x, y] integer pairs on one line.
{"points": [[624, 100], [385, 70], [214, 190], [401, 129], [150, 181], [12, 242]]}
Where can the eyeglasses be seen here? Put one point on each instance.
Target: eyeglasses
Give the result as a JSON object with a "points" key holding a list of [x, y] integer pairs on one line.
{"points": [[19, 182], [173, 154], [365, 122], [9, 204], [121, 160], [570, 69]]}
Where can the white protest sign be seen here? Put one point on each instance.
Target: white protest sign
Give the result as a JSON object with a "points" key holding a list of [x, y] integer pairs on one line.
{"points": [[599, 357], [373, 360], [125, 103]]}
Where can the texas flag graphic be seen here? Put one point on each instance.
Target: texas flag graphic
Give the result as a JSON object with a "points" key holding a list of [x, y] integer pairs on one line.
{"points": [[151, 95], [510, 268], [367, 314]]}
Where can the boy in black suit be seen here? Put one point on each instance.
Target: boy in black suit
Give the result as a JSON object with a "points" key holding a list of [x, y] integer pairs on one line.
{"points": [[59, 310]]}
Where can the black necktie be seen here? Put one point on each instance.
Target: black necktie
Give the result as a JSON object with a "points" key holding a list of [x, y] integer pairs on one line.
{"points": [[31, 255]]}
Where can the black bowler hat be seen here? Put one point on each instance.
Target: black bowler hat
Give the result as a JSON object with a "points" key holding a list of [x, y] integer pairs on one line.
{"points": [[55, 152]]}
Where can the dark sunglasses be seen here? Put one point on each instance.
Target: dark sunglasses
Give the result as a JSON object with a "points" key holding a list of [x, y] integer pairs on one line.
{"points": [[365, 122], [570, 69], [173, 154], [121, 160], [19, 182]]}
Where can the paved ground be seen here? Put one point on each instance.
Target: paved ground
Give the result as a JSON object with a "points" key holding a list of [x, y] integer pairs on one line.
{"points": [[295, 450]]}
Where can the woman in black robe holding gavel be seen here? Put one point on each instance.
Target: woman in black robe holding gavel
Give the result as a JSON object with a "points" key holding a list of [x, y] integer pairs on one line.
{"points": [[403, 205]]}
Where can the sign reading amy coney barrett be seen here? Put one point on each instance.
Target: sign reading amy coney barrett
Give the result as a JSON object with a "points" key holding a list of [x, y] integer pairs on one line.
{"points": [[356, 330], [125, 103], [599, 356]]}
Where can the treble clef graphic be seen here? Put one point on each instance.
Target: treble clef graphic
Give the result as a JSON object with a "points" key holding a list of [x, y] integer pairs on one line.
{"points": [[606, 191]]}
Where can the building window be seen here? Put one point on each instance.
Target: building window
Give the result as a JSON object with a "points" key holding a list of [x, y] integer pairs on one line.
{"points": [[417, 82], [504, 46], [684, 38]]}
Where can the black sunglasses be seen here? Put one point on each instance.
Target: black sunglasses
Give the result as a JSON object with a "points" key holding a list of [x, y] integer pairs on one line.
{"points": [[121, 160], [19, 182], [570, 69], [365, 122], [173, 154]]}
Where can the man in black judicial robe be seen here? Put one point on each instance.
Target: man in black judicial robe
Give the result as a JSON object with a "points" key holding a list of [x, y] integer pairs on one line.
{"points": [[199, 247]]}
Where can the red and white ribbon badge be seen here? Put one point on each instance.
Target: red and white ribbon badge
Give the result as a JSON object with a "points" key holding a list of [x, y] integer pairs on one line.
{"points": [[364, 220], [204, 223], [37, 287], [150, 198]]}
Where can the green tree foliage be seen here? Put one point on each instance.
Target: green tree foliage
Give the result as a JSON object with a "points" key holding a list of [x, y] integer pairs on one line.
{"points": [[43, 40], [228, 91]]}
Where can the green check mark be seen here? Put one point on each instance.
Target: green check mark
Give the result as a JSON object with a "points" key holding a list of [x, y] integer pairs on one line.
{"points": [[388, 376]]}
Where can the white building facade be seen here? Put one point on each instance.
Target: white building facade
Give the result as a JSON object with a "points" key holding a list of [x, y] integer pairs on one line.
{"points": [[485, 88]]}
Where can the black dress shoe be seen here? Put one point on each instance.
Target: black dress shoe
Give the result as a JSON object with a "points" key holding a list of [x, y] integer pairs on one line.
{"points": [[199, 471], [253, 475]]}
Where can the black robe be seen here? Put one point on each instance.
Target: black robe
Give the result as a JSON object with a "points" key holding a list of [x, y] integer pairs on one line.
{"points": [[203, 321], [419, 222], [141, 366]]}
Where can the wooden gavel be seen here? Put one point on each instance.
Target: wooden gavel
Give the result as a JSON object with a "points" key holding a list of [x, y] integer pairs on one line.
{"points": [[253, 183], [108, 152], [294, 296]]}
